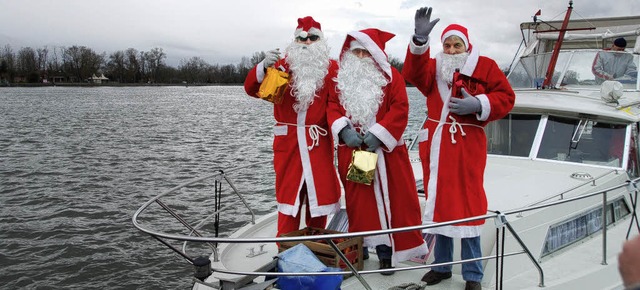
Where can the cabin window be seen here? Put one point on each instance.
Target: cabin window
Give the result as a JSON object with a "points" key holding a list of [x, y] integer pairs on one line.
{"points": [[576, 68], [512, 135], [583, 225], [583, 141]]}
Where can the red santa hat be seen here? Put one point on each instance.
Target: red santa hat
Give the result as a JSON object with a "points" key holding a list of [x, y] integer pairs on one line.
{"points": [[373, 40], [459, 31], [307, 26]]}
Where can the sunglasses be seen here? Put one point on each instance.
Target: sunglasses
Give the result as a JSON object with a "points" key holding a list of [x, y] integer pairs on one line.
{"points": [[310, 37]]}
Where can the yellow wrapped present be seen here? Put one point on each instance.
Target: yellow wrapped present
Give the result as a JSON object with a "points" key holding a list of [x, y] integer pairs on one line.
{"points": [[273, 86]]}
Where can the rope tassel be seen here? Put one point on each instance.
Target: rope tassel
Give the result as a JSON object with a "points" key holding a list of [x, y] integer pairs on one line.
{"points": [[454, 129], [315, 132]]}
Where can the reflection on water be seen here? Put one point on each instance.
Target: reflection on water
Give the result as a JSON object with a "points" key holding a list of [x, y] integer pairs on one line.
{"points": [[77, 163]]}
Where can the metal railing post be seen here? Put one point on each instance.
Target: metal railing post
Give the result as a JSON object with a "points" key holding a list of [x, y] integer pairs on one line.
{"points": [[604, 228]]}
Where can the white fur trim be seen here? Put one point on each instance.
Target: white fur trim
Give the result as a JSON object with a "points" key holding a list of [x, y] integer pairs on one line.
{"points": [[458, 34], [376, 53], [307, 169], [260, 71], [288, 209], [373, 241], [314, 31], [338, 125], [471, 63], [325, 209], [443, 89], [380, 194], [418, 49], [456, 231], [355, 45], [486, 107], [436, 141], [405, 255], [384, 135], [294, 209]]}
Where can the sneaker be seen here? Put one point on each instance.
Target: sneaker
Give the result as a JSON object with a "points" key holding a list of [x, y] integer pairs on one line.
{"points": [[432, 277], [472, 285], [386, 264]]}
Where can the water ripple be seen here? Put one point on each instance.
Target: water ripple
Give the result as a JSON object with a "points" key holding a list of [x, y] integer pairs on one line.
{"points": [[78, 162]]}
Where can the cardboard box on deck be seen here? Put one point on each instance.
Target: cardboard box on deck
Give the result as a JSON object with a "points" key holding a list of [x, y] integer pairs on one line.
{"points": [[350, 247]]}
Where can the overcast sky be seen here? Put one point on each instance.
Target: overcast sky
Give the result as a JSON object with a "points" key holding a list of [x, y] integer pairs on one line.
{"points": [[222, 32]]}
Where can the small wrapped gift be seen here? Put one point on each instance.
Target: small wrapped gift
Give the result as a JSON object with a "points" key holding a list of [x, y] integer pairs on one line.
{"points": [[363, 167], [273, 86]]}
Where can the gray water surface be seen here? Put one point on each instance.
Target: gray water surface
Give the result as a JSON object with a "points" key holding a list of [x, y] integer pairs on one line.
{"points": [[76, 163]]}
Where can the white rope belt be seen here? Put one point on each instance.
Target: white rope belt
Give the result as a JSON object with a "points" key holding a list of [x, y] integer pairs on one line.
{"points": [[453, 129], [315, 132]]}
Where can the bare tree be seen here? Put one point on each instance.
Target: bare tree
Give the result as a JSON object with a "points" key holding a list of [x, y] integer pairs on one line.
{"points": [[155, 61], [244, 67], [396, 62], [8, 58], [132, 65], [116, 67], [257, 57], [27, 64], [82, 61], [194, 70], [54, 63]]}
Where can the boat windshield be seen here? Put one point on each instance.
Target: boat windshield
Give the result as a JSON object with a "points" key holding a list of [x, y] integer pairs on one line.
{"points": [[512, 135], [577, 68], [563, 139], [583, 141]]}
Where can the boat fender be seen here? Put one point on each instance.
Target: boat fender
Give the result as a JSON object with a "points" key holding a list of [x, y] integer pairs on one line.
{"points": [[611, 91], [202, 267]]}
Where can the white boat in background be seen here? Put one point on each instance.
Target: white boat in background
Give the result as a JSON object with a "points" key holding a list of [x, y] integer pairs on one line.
{"points": [[561, 165]]}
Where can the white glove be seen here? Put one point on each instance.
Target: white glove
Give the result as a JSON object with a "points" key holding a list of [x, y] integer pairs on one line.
{"points": [[271, 57]]}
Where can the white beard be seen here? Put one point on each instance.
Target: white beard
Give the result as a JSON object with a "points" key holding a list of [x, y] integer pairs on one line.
{"points": [[309, 65], [360, 83], [449, 64]]}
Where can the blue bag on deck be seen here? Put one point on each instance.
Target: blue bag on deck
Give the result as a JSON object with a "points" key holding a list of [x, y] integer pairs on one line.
{"points": [[299, 259]]}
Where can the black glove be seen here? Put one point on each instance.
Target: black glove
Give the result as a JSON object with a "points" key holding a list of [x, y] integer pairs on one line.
{"points": [[466, 105], [372, 142], [350, 137], [423, 24]]}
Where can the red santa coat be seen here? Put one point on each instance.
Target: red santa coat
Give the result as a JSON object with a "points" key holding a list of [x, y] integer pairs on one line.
{"points": [[392, 199], [302, 148], [453, 164]]}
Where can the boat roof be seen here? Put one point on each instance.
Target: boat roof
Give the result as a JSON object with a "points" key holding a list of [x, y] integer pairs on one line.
{"points": [[586, 33], [575, 103]]}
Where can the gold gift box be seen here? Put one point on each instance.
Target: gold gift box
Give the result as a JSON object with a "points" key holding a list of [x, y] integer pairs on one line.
{"points": [[363, 167], [273, 86]]}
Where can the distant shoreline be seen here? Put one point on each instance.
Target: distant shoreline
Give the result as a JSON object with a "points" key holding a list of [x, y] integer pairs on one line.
{"points": [[89, 85], [113, 85]]}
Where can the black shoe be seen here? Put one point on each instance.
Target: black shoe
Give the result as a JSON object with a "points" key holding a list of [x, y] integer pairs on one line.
{"points": [[365, 253], [472, 285], [386, 264], [432, 277]]}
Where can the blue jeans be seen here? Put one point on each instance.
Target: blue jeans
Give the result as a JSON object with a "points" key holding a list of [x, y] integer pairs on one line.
{"points": [[470, 248]]}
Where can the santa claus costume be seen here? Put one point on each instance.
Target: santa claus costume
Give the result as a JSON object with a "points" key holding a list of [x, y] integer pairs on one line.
{"points": [[302, 147], [391, 201], [453, 147]]}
